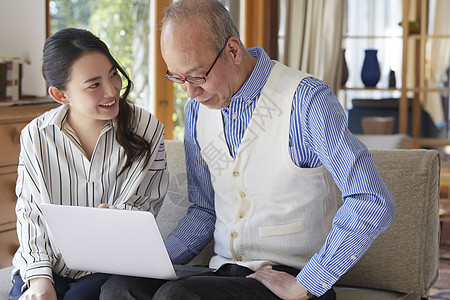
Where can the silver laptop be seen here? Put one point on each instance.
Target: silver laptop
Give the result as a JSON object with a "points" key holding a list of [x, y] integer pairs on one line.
{"points": [[112, 241]]}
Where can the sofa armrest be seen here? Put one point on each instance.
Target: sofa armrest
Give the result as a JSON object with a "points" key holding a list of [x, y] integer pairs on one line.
{"points": [[405, 257], [5, 282]]}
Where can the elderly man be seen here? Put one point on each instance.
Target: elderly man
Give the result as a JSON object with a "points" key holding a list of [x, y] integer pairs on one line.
{"points": [[259, 137]]}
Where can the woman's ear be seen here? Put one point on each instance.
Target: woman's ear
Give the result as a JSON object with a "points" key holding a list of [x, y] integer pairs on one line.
{"points": [[57, 95]]}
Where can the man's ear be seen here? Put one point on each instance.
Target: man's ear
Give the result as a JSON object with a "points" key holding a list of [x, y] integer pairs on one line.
{"points": [[57, 95], [234, 48]]}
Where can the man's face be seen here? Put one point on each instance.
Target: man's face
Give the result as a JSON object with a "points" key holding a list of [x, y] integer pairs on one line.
{"points": [[187, 53]]}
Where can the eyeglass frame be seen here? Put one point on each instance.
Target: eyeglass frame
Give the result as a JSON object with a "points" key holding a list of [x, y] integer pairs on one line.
{"points": [[202, 79]]}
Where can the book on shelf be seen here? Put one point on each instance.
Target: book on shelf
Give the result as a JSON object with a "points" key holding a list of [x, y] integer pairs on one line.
{"points": [[2, 81], [13, 78]]}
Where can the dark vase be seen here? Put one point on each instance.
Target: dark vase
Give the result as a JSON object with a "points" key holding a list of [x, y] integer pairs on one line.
{"points": [[344, 76], [392, 81], [370, 73]]}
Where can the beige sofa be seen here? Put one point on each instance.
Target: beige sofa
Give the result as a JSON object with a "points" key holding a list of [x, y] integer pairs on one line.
{"points": [[402, 263]]}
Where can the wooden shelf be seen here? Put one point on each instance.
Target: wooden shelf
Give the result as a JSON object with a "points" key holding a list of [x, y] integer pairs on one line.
{"points": [[372, 36], [428, 36], [430, 142], [429, 90], [369, 89], [30, 101], [24, 113], [413, 43], [416, 89]]}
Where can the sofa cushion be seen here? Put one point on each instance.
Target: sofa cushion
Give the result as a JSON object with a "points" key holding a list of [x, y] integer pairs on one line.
{"points": [[5, 282], [349, 293], [176, 202], [405, 257]]}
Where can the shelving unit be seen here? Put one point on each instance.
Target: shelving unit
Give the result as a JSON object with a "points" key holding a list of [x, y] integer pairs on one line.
{"points": [[418, 90], [421, 89]]}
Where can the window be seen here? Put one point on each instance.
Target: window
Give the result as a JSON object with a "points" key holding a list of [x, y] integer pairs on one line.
{"points": [[123, 25]]}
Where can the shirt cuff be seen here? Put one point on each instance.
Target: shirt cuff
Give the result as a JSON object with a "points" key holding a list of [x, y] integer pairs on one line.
{"points": [[315, 278], [36, 270], [178, 252]]}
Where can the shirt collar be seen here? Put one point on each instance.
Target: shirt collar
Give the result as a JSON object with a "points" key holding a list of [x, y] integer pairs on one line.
{"points": [[58, 117], [254, 84], [55, 117]]}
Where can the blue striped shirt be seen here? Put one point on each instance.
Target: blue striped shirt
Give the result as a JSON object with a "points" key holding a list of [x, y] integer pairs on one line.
{"points": [[318, 135]]}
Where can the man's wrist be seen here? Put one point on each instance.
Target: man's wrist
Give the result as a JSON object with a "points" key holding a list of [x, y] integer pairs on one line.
{"points": [[309, 295]]}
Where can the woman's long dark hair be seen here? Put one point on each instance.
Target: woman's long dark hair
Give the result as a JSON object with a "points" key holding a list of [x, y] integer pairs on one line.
{"points": [[68, 45]]}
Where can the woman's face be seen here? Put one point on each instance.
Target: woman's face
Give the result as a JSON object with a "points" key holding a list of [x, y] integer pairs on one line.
{"points": [[93, 90]]}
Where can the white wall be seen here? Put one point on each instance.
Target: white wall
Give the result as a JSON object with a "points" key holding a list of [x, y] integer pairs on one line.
{"points": [[22, 24]]}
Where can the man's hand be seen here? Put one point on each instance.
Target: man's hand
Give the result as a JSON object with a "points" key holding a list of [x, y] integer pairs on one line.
{"points": [[40, 289], [281, 284]]}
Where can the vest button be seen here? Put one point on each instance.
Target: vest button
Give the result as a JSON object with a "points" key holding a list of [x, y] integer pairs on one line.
{"points": [[234, 234], [242, 215], [242, 194], [239, 258], [236, 173]]}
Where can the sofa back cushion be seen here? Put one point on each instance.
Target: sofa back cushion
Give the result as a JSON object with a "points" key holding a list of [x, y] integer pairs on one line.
{"points": [[405, 257], [176, 202]]}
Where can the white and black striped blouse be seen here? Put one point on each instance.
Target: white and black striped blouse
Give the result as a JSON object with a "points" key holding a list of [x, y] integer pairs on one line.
{"points": [[53, 168]]}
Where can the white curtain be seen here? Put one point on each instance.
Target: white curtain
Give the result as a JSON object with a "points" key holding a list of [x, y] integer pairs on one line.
{"points": [[313, 38], [439, 58]]}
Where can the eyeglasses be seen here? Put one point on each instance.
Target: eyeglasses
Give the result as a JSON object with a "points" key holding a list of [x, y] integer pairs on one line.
{"points": [[195, 79]]}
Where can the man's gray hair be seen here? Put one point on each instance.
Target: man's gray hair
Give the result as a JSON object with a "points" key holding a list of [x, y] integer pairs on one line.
{"points": [[220, 25]]}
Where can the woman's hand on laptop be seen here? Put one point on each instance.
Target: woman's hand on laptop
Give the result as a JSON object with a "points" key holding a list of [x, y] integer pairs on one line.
{"points": [[105, 205]]}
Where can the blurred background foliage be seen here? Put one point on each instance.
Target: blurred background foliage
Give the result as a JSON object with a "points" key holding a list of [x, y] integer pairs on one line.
{"points": [[124, 26], [121, 24]]}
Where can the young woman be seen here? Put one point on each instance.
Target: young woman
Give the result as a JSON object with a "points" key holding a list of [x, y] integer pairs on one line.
{"points": [[96, 149]]}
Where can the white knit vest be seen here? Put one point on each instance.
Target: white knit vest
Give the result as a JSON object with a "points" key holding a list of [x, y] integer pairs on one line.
{"points": [[269, 211]]}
